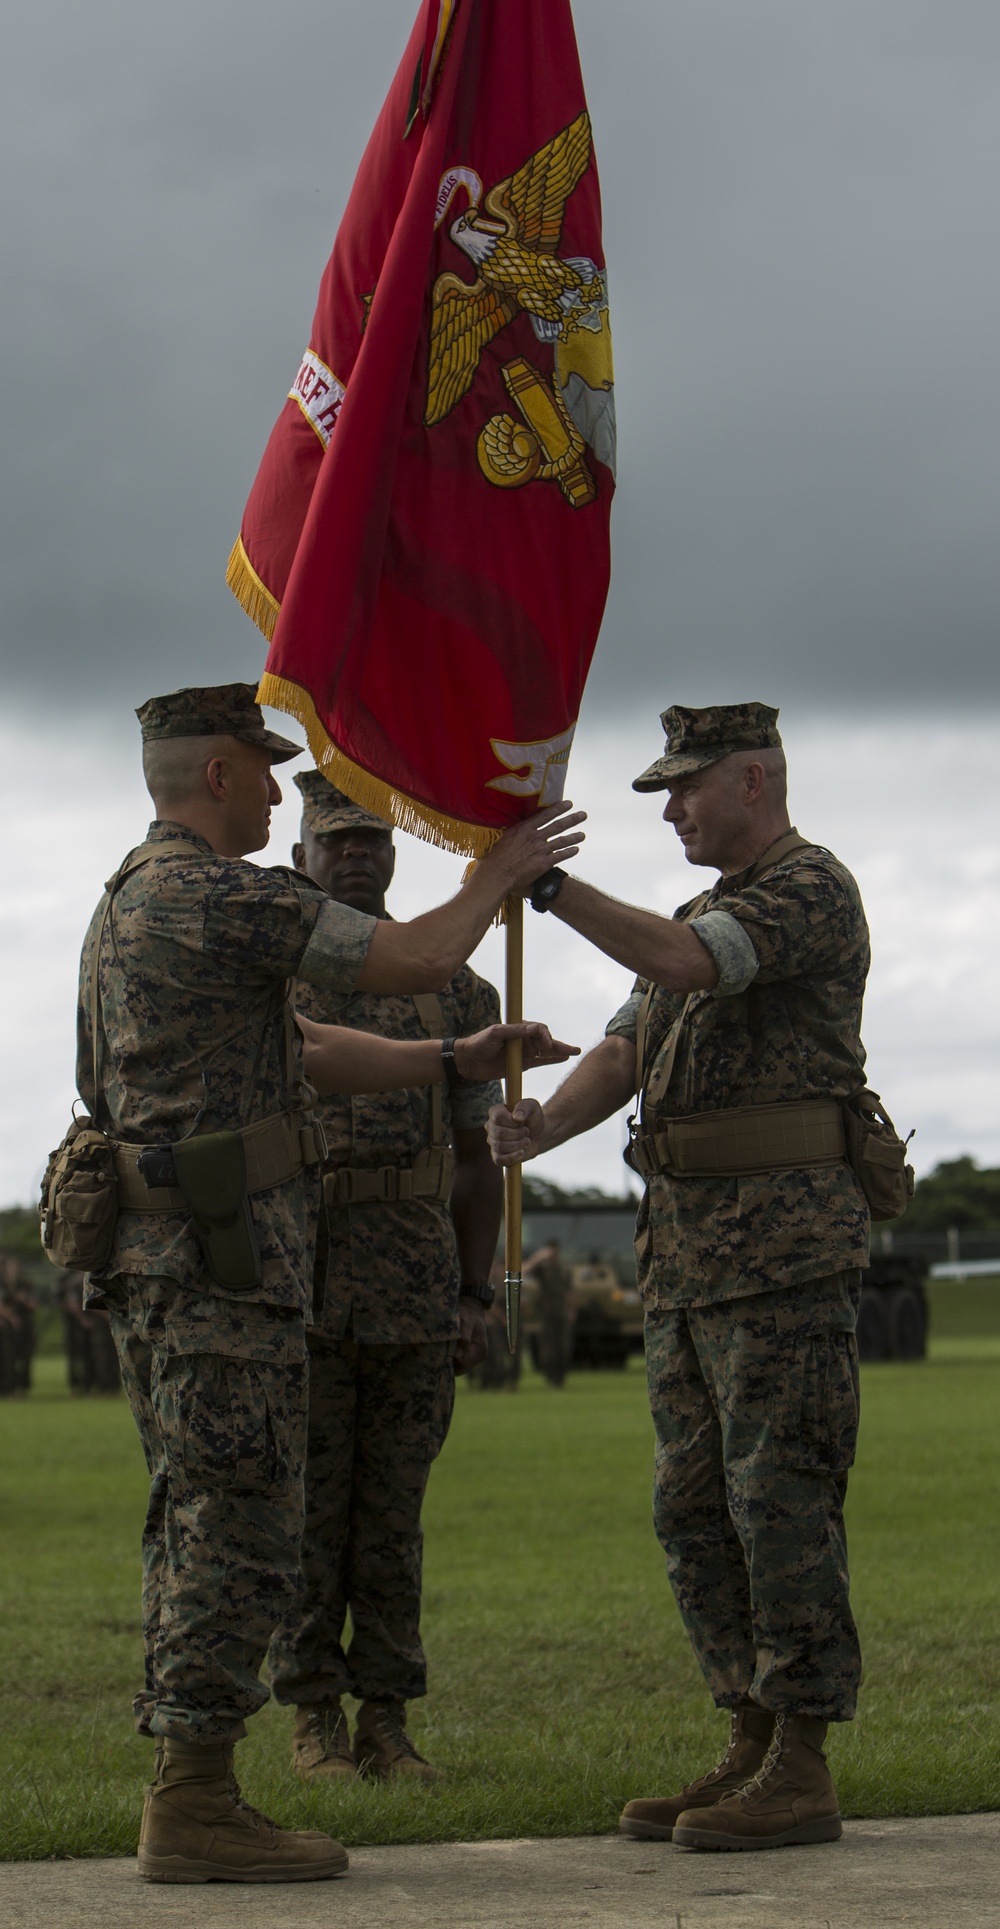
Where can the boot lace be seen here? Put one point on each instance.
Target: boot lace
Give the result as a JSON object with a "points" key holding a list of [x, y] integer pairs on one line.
{"points": [[388, 1720], [769, 1763], [325, 1722], [720, 1767], [245, 1807]]}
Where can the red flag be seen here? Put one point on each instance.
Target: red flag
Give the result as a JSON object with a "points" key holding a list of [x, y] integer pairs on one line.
{"points": [[426, 544]]}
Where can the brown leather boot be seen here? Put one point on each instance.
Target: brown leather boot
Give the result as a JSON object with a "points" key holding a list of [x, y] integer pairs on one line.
{"points": [[749, 1735], [382, 1746], [791, 1798], [321, 1745], [197, 1828]]}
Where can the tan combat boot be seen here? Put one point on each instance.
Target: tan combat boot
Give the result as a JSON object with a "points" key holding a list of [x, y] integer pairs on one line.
{"points": [[382, 1746], [749, 1734], [791, 1798], [321, 1745], [197, 1828]]}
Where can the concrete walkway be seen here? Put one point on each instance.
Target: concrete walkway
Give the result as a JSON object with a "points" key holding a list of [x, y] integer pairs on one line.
{"points": [[939, 1873]]}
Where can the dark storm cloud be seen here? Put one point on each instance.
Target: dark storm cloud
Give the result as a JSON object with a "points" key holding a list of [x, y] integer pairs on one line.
{"points": [[800, 225]]}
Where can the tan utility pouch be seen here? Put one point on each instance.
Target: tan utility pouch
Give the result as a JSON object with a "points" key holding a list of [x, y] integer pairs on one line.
{"points": [[877, 1155], [79, 1204]]}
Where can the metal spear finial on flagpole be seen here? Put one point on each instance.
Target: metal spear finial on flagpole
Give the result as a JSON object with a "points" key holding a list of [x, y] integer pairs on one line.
{"points": [[514, 928]]}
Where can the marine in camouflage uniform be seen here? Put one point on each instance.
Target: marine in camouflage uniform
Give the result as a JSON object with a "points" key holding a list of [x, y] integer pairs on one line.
{"points": [[195, 951], [553, 1302], [750, 1278], [381, 1350]]}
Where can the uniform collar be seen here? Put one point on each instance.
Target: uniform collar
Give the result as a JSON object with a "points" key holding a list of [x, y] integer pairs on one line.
{"points": [[739, 878], [162, 831]]}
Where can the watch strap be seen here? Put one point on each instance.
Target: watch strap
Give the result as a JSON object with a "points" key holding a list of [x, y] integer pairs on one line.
{"points": [[485, 1294], [452, 1076], [546, 889]]}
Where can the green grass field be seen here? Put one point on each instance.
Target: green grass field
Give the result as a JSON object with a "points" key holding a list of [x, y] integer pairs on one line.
{"points": [[561, 1681]]}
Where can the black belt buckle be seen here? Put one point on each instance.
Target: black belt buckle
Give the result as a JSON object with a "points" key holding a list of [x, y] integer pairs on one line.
{"points": [[156, 1167]]}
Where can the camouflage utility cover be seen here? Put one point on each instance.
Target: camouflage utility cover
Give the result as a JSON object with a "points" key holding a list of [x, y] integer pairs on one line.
{"points": [[217, 710], [194, 961], [393, 1267], [698, 738], [783, 1022], [326, 809]]}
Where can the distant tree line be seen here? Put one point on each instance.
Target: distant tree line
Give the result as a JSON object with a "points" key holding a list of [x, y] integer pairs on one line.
{"points": [[958, 1192]]}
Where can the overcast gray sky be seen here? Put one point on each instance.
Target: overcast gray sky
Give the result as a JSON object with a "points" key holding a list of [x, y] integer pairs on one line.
{"points": [[801, 233], [800, 224]]}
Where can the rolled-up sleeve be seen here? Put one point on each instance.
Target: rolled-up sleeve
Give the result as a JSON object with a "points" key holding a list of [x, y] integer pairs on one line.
{"points": [[625, 1023], [727, 942], [337, 948]]}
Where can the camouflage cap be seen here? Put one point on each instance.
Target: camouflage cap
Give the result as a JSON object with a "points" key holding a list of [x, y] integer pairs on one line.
{"points": [[221, 710], [697, 738], [324, 808]]}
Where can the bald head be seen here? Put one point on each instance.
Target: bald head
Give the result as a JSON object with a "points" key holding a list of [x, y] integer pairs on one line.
{"points": [[771, 762], [176, 768], [221, 787]]}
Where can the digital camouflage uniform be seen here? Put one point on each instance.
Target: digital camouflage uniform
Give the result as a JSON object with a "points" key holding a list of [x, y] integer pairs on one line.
{"points": [[194, 961], [381, 1377], [751, 1286]]}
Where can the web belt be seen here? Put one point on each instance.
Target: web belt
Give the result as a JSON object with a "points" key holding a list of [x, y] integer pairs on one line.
{"points": [[355, 1186], [743, 1140], [275, 1149]]}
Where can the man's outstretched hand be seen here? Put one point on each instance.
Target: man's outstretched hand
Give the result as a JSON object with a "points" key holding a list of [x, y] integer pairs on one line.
{"points": [[529, 849], [482, 1055], [517, 1135]]}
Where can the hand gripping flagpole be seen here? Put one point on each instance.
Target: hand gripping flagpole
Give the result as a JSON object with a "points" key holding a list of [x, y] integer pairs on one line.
{"points": [[514, 928]]}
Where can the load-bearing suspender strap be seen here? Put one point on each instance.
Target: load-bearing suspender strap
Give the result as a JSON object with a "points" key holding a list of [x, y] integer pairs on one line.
{"points": [[431, 1173], [775, 854], [133, 862], [274, 1148], [431, 1015]]}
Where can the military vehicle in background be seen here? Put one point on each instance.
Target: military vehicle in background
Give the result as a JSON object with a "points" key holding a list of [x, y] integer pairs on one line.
{"points": [[892, 1322], [596, 1245], [607, 1322]]}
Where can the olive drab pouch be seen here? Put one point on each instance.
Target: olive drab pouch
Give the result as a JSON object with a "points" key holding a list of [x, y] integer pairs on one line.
{"points": [[79, 1203], [212, 1174], [877, 1155]]}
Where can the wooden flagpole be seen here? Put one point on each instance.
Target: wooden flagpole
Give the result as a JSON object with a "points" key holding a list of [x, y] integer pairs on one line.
{"points": [[514, 928]]}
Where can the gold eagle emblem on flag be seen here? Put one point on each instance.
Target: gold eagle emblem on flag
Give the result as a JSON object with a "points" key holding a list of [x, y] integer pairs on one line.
{"points": [[512, 239]]}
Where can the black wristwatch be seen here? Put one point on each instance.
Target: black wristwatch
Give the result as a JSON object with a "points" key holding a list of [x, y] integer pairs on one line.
{"points": [[485, 1294], [452, 1076], [546, 889]]}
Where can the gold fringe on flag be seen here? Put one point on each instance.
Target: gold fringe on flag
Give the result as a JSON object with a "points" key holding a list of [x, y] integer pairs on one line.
{"points": [[254, 596], [451, 833]]}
